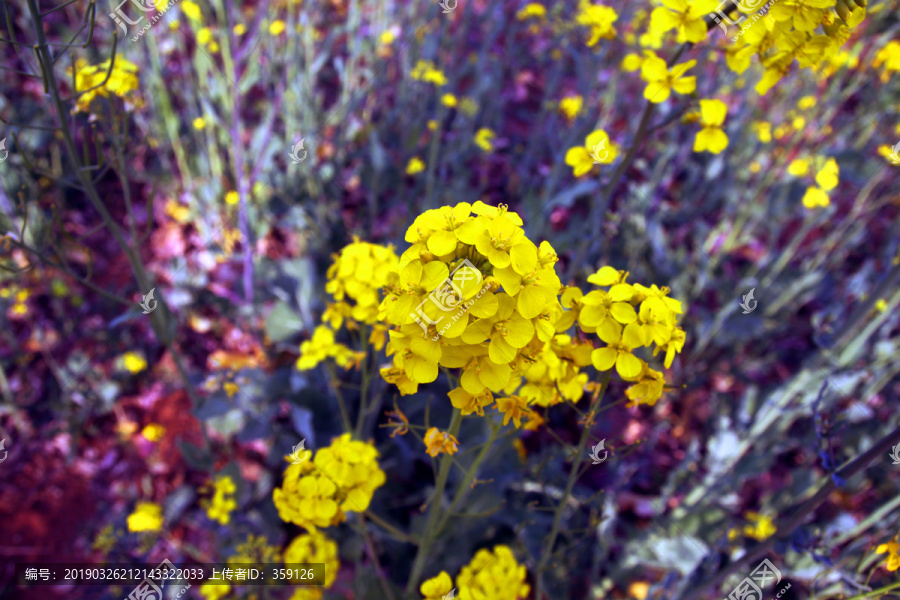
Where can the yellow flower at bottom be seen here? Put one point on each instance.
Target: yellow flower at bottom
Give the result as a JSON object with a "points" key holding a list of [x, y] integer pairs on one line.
{"points": [[761, 528], [315, 548], [214, 591], [662, 81], [232, 197], [571, 106], [134, 362], [436, 587], [437, 442], [618, 352], [493, 575], [815, 197], [892, 563], [711, 138], [827, 177], [147, 516], [307, 499]]}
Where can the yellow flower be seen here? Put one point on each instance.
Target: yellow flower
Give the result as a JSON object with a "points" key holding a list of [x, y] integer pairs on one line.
{"points": [[276, 27], [798, 167], [815, 197], [531, 10], [470, 403], [199, 123], [222, 504], [230, 388], [436, 587], [448, 100], [892, 563], [597, 149], [203, 36], [214, 591], [153, 432], [415, 165], [315, 547], [353, 466], [321, 346], [888, 58], [437, 442], [432, 124], [191, 10], [618, 352], [425, 70], [711, 138], [387, 37], [493, 575], [805, 15], [661, 81], [763, 131], [307, 498], [760, 528], [484, 139], [468, 106], [827, 177], [357, 276], [881, 305], [240, 29], [632, 62], [122, 81], [687, 18], [147, 516], [134, 362], [648, 389], [232, 197], [513, 407], [599, 19], [571, 106]]}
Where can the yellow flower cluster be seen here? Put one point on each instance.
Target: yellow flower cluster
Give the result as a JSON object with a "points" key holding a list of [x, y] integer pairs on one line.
{"points": [[340, 478], [490, 575], [826, 180], [627, 317], [760, 527], [315, 547], [888, 59], [598, 19], [122, 81], [355, 277], [425, 70], [223, 503]]}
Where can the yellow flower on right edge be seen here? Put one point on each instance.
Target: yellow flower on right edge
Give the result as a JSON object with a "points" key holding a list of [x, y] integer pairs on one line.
{"points": [[892, 563], [711, 138]]}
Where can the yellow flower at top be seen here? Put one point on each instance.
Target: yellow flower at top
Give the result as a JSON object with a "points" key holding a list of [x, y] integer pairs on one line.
{"points": [[805, 15], [711, 138], [493, 575], [122, 81], [892, 548], [806, 102], [191, 10], [571, 106], [415, 165], [599, 19], [358, 274], [484, 139], [598, 149], [276, 27], [387, 37], [147, 516], [437, 442], [888, 59], [425, 70], [321, 346], [815, 197], [199, 123], [530, 10], [134, 362], [203, 36], [763, 130], [685, 17], [661, 80], [436, 587]]}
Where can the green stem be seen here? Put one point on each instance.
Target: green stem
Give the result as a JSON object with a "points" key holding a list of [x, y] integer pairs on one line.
{"points": [[345, 417], [570, 484], [391, 529], [434, 509], [364, 385], [874, 593]]}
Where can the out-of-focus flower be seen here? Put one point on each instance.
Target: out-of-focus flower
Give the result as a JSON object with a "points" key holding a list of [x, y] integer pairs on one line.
{"points": [[153, 432], [191, 10], [798, 167], [122, 81], [232, 197], [223, 503], [763, 130], [437, 587], [134, 362], [493, 575], [214, 591], [276, 27], [147, 516], [425, 70], [599, 19], [204, 36], [571, 106], [888, 59], [199, 123], [449, 100], [711, 138], [255, 549], [415, 165], [307, 498], [437, 442], [661, 80], [484, 139], [321, 346], [531, 10], [688, 18], [827, 177], [315, 547], [892, 562], [815, 197], [239, 29]]}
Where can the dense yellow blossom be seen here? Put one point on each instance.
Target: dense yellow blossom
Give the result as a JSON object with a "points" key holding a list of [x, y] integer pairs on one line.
{"points": [[92, 80], [357, 275], [353, 466], [147, 516], [425, 70], [307, 498], [599, 19], [492, 575], [315, 547]]}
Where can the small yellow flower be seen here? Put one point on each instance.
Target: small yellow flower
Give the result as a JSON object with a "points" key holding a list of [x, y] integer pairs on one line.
{"points": [[827, 177], [761, 526], [223, 503], [484, 139], [892, 563], [203, 36], [134, 362], [388, 37], [230, 388], [571, 106], [199, 123], [437, 442], [763, 130], [597, 149], [881, 305], [711, 138], [436, 587], [214, 591], [531, 10], [798, 167], [449, 100], [806, 102], [276, 27], [240, 29], [432, 124], [415, 165], [147, 516], [153, 432], [661, 80], [232, 197], [191, 10]]}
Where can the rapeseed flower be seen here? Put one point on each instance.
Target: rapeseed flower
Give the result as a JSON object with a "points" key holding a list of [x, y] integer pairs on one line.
{"points": [[153, 432], [134, 362], [711, 138], [353, 466], [571, 106], [415, 165], [484, 139], [191, 10], [214, 591], [827, 177], [661, 80], [425, 70], [222, 503], [597, 149], [888, 59], [492, 575], [437, 442], [147, 516], [599, 19], [276, 27], [815, 197], [804, 15], [531, 10], [315, 547], [436, 587], [307, 498], [892, 548], [122, 82], [688, 18]]}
